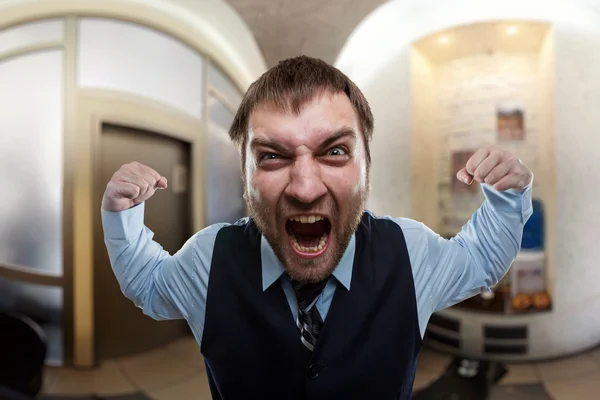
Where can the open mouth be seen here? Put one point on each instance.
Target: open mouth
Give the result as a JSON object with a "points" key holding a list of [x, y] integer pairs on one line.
{"points": [[309, 234]]}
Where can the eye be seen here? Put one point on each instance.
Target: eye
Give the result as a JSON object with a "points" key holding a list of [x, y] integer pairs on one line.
{"points": [[272, 161], [336, 151], [268, 156]]}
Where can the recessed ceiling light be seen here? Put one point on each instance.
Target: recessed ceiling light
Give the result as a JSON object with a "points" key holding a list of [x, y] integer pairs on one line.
{"points": [[511, 30], [443, 40]]}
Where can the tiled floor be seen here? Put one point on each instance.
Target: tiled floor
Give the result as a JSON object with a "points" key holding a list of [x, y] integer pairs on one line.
{"points": [[173, 372], [176, 372]]}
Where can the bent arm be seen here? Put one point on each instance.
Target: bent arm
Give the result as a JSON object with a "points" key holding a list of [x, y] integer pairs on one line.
{"points": [[482, 252], [165, 286]]}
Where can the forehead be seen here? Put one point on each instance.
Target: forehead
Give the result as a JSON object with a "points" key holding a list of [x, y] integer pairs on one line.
{"points": [[316, 121]]}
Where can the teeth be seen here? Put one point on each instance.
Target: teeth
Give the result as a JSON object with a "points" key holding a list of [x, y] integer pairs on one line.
{"points": [[313, 249], [307, 219]]}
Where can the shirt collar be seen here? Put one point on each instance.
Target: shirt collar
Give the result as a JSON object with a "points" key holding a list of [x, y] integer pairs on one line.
{"points": [[272, 269]]}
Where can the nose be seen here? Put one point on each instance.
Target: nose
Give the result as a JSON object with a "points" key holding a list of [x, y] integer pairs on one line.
{"points": [[306, 185]]}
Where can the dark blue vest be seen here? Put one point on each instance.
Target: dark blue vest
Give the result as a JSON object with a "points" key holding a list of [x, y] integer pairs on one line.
{"points": [[369, 344]]}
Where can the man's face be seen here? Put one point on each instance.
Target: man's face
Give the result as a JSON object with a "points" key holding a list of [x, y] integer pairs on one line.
{"points": [[306, 182]]}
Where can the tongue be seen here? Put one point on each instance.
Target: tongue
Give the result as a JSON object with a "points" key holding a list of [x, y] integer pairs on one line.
{"points": [[308, 235]]}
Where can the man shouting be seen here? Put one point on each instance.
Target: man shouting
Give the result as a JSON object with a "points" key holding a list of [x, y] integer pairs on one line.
{"points": [[312, 296]]}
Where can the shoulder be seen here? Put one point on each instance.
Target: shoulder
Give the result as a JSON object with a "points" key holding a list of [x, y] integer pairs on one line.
{"points": [[201, 245], [207, 236], [214, 229], [417, 237], [409, 227], [210, 231], [204, 240]]}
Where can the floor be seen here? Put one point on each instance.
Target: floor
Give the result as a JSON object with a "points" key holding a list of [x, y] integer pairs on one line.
{"points": [[54, 337], [176, 372]]}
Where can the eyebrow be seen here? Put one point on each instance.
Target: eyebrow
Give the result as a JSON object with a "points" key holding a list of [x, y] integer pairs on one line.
{"points": [[260, 142], [345, 132], [342, 133]]}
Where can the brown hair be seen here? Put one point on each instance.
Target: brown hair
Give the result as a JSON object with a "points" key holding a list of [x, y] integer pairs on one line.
{"points": [[290, 85]]}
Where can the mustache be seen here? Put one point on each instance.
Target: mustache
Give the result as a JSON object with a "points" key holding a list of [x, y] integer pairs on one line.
{"points": [[325, 207]]}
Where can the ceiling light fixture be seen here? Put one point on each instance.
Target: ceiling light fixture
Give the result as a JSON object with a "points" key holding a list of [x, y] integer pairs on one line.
{"points": [[511, 30], [443, 40]]}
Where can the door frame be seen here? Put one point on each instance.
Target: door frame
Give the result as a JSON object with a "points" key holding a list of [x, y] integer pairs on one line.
{"points": [[95, 108]]}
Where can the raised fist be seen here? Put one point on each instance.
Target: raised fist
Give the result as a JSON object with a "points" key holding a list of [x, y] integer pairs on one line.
{"points": [[132, 184], [498, 168]]}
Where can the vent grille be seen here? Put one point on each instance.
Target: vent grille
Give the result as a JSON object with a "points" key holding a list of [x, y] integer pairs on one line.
{"points": [[444, 322], [505, 332], [505, 340]]}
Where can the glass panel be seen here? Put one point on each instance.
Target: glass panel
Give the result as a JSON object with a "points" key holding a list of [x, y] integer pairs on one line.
{"points": [[31, 33], [219, 114], [31, 161], [43, 304], [224, 188], [220, 81], [138, 60]]}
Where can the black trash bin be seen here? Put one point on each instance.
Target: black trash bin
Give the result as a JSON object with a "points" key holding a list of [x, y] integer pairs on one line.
{"points": [[22, 355]]}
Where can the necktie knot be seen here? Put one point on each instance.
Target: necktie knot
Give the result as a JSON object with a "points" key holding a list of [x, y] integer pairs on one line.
{"points": [[306, 293]]}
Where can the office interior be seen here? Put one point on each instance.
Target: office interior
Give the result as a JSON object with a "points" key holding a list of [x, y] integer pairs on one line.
{"points": [[88, 86]]}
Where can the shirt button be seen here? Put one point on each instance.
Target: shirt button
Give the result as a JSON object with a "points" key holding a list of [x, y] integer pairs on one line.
{"points": [[313, 371]]}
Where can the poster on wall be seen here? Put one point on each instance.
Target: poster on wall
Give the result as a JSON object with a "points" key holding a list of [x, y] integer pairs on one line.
{"points": [[459, 160], [510, 119]]}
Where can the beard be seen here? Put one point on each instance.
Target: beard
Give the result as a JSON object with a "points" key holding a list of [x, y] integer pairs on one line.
{"points": [[344, 223]]}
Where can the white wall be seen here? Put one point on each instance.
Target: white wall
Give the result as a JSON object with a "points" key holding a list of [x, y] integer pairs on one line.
{"points": [[391, 161], [31, 169], [577, 145], [470, 89], [224, 187], [547, 149], [425, 145], [131, 58], [380, 66], [31, 156], [46, 31]]}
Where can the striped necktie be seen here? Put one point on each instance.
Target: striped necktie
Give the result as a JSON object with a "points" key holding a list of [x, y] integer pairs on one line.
{"points": [[308, 321]]}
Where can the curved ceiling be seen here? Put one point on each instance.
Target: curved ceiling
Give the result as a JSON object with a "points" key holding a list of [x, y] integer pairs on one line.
{"points": [[484, 37], [316, 28]]}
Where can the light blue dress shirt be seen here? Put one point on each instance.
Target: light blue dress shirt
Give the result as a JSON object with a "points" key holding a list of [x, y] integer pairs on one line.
{"points": [[445, 271]]}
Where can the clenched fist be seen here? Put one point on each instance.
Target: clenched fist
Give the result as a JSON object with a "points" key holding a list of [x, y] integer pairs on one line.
{"points": [[498, 168], [132, 184]]}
